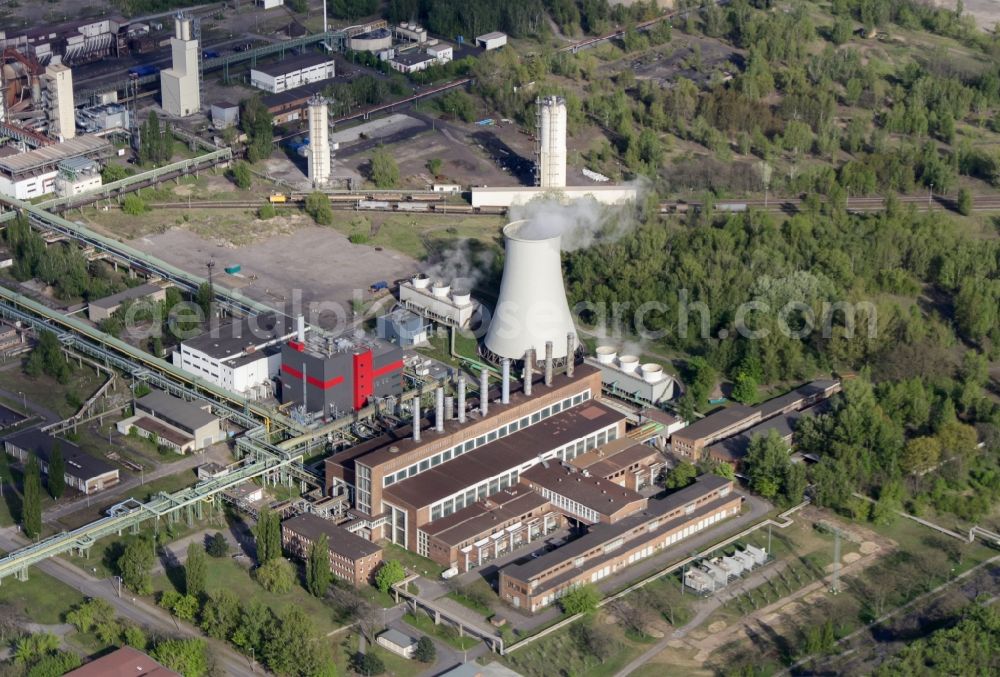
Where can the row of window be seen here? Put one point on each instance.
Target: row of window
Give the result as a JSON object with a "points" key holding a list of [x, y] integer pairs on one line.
{"points": [[486, 438], [567, 505]]}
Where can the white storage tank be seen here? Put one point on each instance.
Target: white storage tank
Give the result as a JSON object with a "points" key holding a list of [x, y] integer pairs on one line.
{"points": [[628, 363], [606, 354], [441, 289], [652, 372]]}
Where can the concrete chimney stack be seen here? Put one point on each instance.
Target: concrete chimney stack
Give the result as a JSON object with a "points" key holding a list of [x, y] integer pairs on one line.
{"points": [[484, 392], [416, 419], [529, 366], [449, 407], [505, 396], [461, 397], [570, 354], [439, 409], [300, 329], [548, 364]]}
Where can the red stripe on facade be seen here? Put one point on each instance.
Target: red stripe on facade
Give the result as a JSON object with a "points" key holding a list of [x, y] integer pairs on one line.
{"points": [[311, 380], [398, 364], [363, 379]]}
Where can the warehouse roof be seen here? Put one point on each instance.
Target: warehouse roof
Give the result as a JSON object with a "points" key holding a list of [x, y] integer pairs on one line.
{"points": [[590, 491], [720, 420], [115, 300], [86, 144], [602, 533], [222, 342], [176, 410], [635, 454], [124, 662], [292, 64], [398, 638], [412, 58], [796, 397], [494, 35], [484, 515], [78, 464], [505, 453], [342, 541]]}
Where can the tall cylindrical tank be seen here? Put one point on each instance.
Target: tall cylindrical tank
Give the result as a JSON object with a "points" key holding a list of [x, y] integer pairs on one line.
{"points": [[531, 307], [319, 142], [551, 167]]}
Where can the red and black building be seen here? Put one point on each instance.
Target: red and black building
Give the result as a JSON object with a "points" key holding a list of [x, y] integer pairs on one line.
{"points": [[339, 382]]}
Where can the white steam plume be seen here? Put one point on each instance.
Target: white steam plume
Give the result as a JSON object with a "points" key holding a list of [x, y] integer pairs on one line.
{"points": [[459, 266]]}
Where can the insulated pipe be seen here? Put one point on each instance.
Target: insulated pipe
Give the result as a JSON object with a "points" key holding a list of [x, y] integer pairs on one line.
{"points": [[505, 396], [416, 419], [439, 410], [570, 354], [529, 360], [449, 407], [548, 364], [461, 397], [484, 392], [300, 330]]}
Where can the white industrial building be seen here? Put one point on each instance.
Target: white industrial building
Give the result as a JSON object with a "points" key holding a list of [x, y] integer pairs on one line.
{"points": [[319, 142], [532, 312], [550, 156], [179, 84], [29, 175], [294, 72], [76, 176], [410, 32], [58, 101], [402, 327], [437, 301], [176, 424], [270, 4], [494, 40], [241, 357], [519, 195], [442, 52], [225, 114], [412, 62], [102, 117], [625, 377]]}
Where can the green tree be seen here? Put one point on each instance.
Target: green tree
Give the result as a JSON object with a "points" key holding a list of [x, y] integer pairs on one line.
{"points": [[48, 358], [242, 176], [964, 203], [920, 453], [318, 574], [384, 171], [367, 664], [745, 388], [218, 546], [841, 31], [318, 207], [31, 505], [133, 205], [267, 535], [794, 483], [258, 124], [135, 637], [186, 656], [220, 615], [267, 212], [195, 570], [57, 471], [581, 599], [680, 476], [114, 172], [766, 463], [291, 646], [390, 573], [434, 166], [255, 619], [85, 616], [135, 563], [276, 575], [426, 651], [204, 297]]}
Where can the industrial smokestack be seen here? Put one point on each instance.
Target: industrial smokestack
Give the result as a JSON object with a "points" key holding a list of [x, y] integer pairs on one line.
{"points": [[439, 410], [505, 396], [531, 307], [416, 419], [550, 167], [300, 329], [529, 363], [461, 397], [570, 354], [449, 407], [548, 364], [484, 392]]}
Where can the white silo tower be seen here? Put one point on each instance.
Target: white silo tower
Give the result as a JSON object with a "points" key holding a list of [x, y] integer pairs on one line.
{"points": [[532, 310], [180, 84], [319, 142], [550, 165]]}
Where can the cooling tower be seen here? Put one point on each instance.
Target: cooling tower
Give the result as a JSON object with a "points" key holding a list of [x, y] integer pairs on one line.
{"points": [[550, 166], [531, 309]]}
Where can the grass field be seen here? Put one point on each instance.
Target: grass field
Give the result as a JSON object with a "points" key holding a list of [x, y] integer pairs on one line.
{"points": [[445, 633], [420, 235], [413, 562], [41, 598], [48, 392]]}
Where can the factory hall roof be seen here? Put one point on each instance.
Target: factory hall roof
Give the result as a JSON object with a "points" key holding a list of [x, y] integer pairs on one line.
{"points": [[78, 463], [602, 533], [52, 155], [124, 662], [719, 420], [342, 541], [176, 409], [598, 494], [142, 291], [412, 58], [484, 515], [223, 342], [506, 453], [292, 64]]}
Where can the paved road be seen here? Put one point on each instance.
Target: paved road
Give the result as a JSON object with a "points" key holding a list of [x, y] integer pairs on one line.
{"points": [[134, 609]]}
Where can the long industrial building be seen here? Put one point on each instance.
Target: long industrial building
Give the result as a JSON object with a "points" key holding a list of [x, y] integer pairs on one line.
{"points": [[32, 174]]}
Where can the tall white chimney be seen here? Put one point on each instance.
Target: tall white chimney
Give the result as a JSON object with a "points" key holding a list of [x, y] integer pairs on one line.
{"points": [[531, 308], [505, 393], [461, 397], [300, 329], [416, 419], [550, 162], [484, 392], [548, 364], [439, 409], [570, 354], [529, 364]]}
